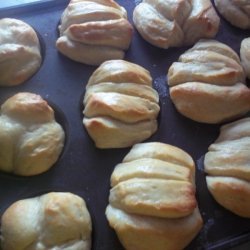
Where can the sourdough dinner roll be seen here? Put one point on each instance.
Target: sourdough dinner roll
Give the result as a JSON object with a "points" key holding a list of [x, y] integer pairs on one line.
{"points": [[152, 202], [20, 55], [93, 31], [121, 107], [30, 138], [207, 84], [175, 23], [227, 164], [52, 221]]}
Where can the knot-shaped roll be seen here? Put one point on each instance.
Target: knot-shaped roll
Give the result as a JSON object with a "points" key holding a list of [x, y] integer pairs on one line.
{"points": [[121, 107], [207, 84], [174, 23], [93, 31], [237, 12], [227, 164], [152, 202], [54, 220], [30, 138], [20, 55]]}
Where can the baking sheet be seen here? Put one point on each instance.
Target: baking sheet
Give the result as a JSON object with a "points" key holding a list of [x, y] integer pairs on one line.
{"points": [[84, 169]]}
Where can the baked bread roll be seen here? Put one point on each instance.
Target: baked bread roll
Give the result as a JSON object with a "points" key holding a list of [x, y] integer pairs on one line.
{"points": [[19, 52], [121, 107], [30, 138], [237, 12], [227, 164], [152, 202], [207, 84], [174, 23], [93, 31], [51, 221], [245, 55]]}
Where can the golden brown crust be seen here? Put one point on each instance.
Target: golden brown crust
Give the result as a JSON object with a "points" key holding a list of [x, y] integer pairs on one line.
{"points": [[161, 151], [121, 107], [231, 193], [227, 164], [30, 138], [153, 197]]}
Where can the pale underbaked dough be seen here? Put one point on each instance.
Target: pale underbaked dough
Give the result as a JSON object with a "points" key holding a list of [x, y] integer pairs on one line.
{"points": [[121, 107], [237, 12], [30, 138], [152, 201], [227, 164], [207, 84], [93, 31], [52, 221], [174, 23], [20, 55], [245, 55]]}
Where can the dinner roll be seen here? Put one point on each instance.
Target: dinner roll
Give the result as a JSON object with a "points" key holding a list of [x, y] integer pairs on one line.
{"points": [[152, 202], [30, 138], [175, 23], [245, 55], [227, 164], [236, 12], [93, 31], [121, 107], [207, 84], [51, 221], [19, 52]]}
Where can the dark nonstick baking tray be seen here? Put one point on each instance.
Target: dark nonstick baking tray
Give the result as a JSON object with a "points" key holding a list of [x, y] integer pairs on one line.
{"points": [[85, 170]]}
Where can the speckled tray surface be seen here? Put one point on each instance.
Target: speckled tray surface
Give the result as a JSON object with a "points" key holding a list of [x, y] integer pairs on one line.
{"points": [[84, 169]]}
